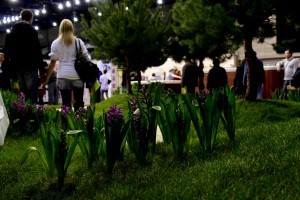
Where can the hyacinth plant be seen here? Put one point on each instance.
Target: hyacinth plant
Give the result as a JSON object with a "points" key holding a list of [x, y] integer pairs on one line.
{"points": [[178, 120], [143, 114], [277, 94], [24, 115], [163, 121], [58, 144], [115, 132], [205, 113], [228, 116], [91, 140], [137, 135], [8, 97], [149, 107], [294, 95]]}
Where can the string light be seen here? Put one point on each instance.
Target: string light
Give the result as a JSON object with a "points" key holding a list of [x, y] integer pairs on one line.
{"points": [[8, 20], [77, 2], [44, 11], [60, 6], [68, 4], [159, 2]]}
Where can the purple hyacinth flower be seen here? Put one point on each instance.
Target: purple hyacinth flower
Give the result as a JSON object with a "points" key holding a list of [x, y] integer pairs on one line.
{"points": [[114, 114]]}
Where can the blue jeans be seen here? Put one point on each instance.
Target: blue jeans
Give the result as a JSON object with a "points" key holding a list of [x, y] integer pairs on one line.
{"points": [[285, 84], [28, 83], [52, 93], [259, 91]]}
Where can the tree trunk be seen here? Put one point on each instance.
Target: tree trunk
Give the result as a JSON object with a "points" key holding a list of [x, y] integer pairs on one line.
{"points": [[128, 78], [139, 79]]}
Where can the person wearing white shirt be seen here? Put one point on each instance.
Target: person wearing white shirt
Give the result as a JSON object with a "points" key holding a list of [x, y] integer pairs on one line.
{"points": [[290, 65], [104, 85], [63, 50]]}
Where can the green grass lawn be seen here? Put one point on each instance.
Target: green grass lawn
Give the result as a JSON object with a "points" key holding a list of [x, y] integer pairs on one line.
{"points": [[263, 163]]}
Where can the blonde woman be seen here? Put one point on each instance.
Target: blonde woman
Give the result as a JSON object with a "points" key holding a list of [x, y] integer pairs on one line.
{"points": [[63, 50]]}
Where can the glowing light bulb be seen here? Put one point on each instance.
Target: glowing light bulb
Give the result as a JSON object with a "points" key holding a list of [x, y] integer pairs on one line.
{"points": [[68, 4], [60, 6]]}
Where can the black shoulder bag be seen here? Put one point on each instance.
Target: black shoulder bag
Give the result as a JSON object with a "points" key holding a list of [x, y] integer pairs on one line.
{"points": [[86, 69]]}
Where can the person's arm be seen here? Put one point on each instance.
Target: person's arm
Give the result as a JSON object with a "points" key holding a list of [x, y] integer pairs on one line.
{"points": [[279, 65], [84, 50], [101, 79], [175, 76], [197, 90], [49, 71]]}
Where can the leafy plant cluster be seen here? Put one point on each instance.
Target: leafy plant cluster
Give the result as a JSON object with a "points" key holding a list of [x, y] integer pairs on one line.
{"points": [[293, 95], [23, 115], [104, 138]]}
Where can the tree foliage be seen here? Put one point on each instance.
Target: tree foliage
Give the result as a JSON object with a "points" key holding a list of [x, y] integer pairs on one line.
{"points": [[133, 35], [128, 33], [215, 27], [206, 29], [287, 26], [256, 20]]}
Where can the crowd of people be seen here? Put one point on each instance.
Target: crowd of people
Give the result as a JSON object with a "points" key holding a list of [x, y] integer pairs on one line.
{"points": [[192, 76], [22, 62], [22, 66]]}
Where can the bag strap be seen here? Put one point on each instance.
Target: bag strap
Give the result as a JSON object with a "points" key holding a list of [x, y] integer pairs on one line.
{"points": [[76, 46], [77, 52]]}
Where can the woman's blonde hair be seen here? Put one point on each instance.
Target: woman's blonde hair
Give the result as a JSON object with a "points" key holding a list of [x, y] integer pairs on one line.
{"points": [[66, 31]]}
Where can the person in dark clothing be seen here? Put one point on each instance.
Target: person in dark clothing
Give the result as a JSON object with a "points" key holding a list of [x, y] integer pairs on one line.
{"points": [[258, 73], [124, 84], [23, 47], [190, 75], [239, 86], [240, 81], [201, 77], [217, 76], [4, 73]]}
